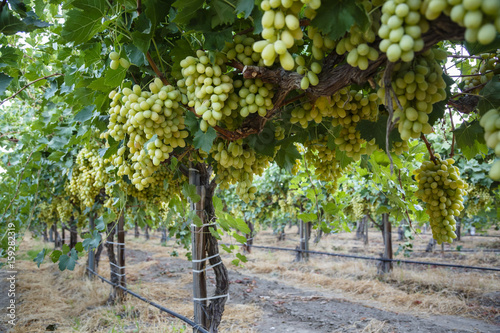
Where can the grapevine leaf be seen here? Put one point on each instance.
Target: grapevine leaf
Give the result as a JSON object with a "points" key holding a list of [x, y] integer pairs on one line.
{"points": [[239, 238], [157, 10], [68, 262], [113, 148], [135, 55], [85, 114], [54, 256], [224, 13], [241, 257], [65, 248], [142, 41], [204, 140], [114, 77], [489, 96], [307, 217], [288, 153], [191, 122], [342, 157], [245, 6], [377, 130], [218, 206], [55, 156], [242, 226], [470, 139], [477, 48], [91, 241], [186, 10], [83, 23], [216, 40], [336, 17], [189, 191], [9, 24], [99, 223], [39, 257], [4, 82], [331, 208], [79, 247]]}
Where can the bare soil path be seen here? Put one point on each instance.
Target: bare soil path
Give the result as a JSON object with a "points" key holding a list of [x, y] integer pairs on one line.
{"points": [[288, 308]]}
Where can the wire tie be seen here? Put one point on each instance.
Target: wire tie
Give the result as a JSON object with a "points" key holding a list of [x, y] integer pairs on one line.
{"points": [[119, 267], [203, 225], [209, 298], [117, 274], [202, 260], [115, 243], [208, 267]]}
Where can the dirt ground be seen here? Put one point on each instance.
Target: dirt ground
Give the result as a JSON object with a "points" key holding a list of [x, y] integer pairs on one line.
{"points": [[270, 293]]}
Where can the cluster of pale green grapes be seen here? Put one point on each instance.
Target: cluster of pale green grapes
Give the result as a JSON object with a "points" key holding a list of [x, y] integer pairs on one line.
{"points": [[238, 164], [478, 197], [417, 86], [357, 41], [401, 29], [64, 209], [326, 166], [48, 212], [88, 177], [240, 49], [356, 208], [490, 121], [348, 108], [305, 113], [442, 190], [255, 96], [117, 61], [140, 116], [481, 18], [207, 87], [398, 147], [281, 27], [484, 73]]}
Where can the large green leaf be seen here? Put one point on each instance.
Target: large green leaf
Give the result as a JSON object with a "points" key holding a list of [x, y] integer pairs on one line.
{"points": [[336, 17], [489, 96], [4, 82], [85, 21], [245, 7], [187, 10], [470, 139], [477, 48], [204, 140]]}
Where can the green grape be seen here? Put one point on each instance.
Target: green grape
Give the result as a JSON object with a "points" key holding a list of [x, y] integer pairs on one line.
{"points": [[417, 86], [484, 71], [137, 117], [401, 29], [442, 190], [237, 163], [88, 177], [477, 199], [490, 121], [326, 166]]}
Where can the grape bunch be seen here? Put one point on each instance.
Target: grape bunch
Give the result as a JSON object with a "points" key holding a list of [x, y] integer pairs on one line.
{"points": [[64, 209], [241, 49], [237, 163], [326, 166], [490, 121], [48, 212], [88, 177], [478, 198], [152, 125], [255, 96], [207, 87], [484, 73], [481, 18], [281, 27], [417, 86], [401, 29], [117, 61], [442, 190], [398, 147]]}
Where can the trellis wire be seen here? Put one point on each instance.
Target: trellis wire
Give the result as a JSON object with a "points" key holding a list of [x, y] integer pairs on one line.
{"points": [[161, 308]]}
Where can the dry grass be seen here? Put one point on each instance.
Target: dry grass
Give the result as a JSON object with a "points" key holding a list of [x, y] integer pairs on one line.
{"points": [[73, 303]]}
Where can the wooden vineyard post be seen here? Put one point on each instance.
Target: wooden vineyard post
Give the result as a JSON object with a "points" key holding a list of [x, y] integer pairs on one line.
{"points": [[63, 234], [387, 265], [459, 230], [120, 293], [57, 239], [199, 253], [91, 252], [367, 226]]}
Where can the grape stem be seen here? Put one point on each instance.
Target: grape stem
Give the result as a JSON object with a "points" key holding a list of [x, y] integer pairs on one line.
{"points": [[429, 148], [29, 84]]}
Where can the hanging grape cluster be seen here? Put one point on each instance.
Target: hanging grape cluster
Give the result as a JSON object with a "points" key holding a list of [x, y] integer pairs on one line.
{"points": [[483, 73], [88, 177], [417, 85], [238, 163], [490, 121], [442, 190], [478, 199], [151, 123], [327, 167]]}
